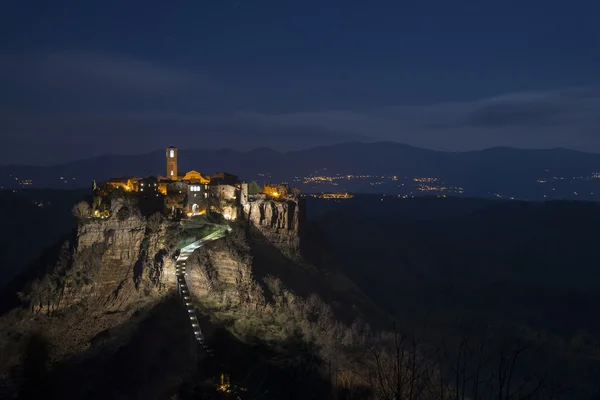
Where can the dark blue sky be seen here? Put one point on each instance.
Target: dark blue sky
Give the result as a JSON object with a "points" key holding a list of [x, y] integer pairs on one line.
{"points": [[129, 76]]}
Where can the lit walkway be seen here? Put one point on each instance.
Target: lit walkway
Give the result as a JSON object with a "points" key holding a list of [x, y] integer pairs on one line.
{"points": [[182, 286]]}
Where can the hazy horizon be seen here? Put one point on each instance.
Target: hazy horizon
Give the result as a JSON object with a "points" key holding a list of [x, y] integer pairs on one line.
{"points": [[83, 157]]}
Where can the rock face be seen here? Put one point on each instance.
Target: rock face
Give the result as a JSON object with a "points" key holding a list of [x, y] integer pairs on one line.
{"points": [[278, 222], [222, 270], [121, 240], [215, 268], [123, 256], [119, 245]]}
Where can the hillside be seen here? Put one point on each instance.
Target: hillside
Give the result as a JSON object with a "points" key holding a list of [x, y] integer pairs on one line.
{"points": [[442, 264], [106, 306], [365, 299]]}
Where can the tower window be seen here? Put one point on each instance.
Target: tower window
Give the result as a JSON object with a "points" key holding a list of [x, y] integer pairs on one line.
{"points": [[172, 153], [171, 172]]}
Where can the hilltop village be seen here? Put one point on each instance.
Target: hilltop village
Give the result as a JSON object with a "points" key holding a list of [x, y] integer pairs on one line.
{"points": [[183, 196]]}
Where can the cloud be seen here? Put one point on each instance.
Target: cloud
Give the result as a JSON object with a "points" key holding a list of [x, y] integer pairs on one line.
{"points": [[560, 118], [100, 73], [534, 109]]}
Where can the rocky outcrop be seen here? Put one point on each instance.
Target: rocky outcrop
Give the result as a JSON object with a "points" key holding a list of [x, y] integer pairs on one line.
{"points": [[222, 268], [123, 257], [214, 268], [121, 244], [121, 240], [278, 222]]}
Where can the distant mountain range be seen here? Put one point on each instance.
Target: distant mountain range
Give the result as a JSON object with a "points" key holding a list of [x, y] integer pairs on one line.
{"points": [[499, 171]]}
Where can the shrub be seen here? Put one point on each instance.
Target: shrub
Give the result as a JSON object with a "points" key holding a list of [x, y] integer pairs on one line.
{"points": [[154, 222], [253, 188], [82, 210]]}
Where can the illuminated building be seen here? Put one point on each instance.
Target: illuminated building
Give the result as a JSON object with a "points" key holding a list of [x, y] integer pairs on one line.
{"points": [[337, 196], [196, 177], [127, 183], [172, 162], [276, 191], [184, 195]]}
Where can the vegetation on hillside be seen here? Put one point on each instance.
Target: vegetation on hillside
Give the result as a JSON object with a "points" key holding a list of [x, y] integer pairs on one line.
{"points": [[468, 318], [301, 340], [525, 268]]}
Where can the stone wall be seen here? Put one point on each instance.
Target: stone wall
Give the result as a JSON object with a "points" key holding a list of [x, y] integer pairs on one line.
{"points": [[225, 192]]}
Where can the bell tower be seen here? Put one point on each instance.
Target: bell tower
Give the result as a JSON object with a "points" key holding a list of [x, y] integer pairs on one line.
{"points": [[172, 162]]}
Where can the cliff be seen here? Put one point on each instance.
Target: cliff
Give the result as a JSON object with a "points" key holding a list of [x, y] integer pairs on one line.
{"points": [[108, 271], [277, 222], [119, 244], [130, 258], [222, 268]]}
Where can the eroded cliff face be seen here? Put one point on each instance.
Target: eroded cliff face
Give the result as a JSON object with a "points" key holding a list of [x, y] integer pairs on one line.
{"points": [[121, 243], [222, 268], [104, 278], [131, 258], [277, 222]]}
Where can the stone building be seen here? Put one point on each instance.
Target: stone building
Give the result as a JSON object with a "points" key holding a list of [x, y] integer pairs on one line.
{"points": [[276, 191], [188, 194], [127, 183], [172, 162]]}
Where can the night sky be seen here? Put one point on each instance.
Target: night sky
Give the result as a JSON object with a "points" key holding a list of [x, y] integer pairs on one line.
{"points": [[84, 78]]}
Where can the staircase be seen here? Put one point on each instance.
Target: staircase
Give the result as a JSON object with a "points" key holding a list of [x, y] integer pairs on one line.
{"points": [[182, 286]]}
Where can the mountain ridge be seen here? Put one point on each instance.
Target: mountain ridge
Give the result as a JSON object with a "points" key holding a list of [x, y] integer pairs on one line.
{"points": [[511, 171], [267, 149]]}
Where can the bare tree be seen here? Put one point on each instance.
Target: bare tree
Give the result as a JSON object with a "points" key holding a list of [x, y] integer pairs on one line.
{"points": [[483, 367], [129, 208], [155, 222], [394, 368]]}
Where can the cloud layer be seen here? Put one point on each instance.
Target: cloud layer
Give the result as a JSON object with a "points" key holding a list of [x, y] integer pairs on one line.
{"points": [[554, 118], [81, 72]]}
